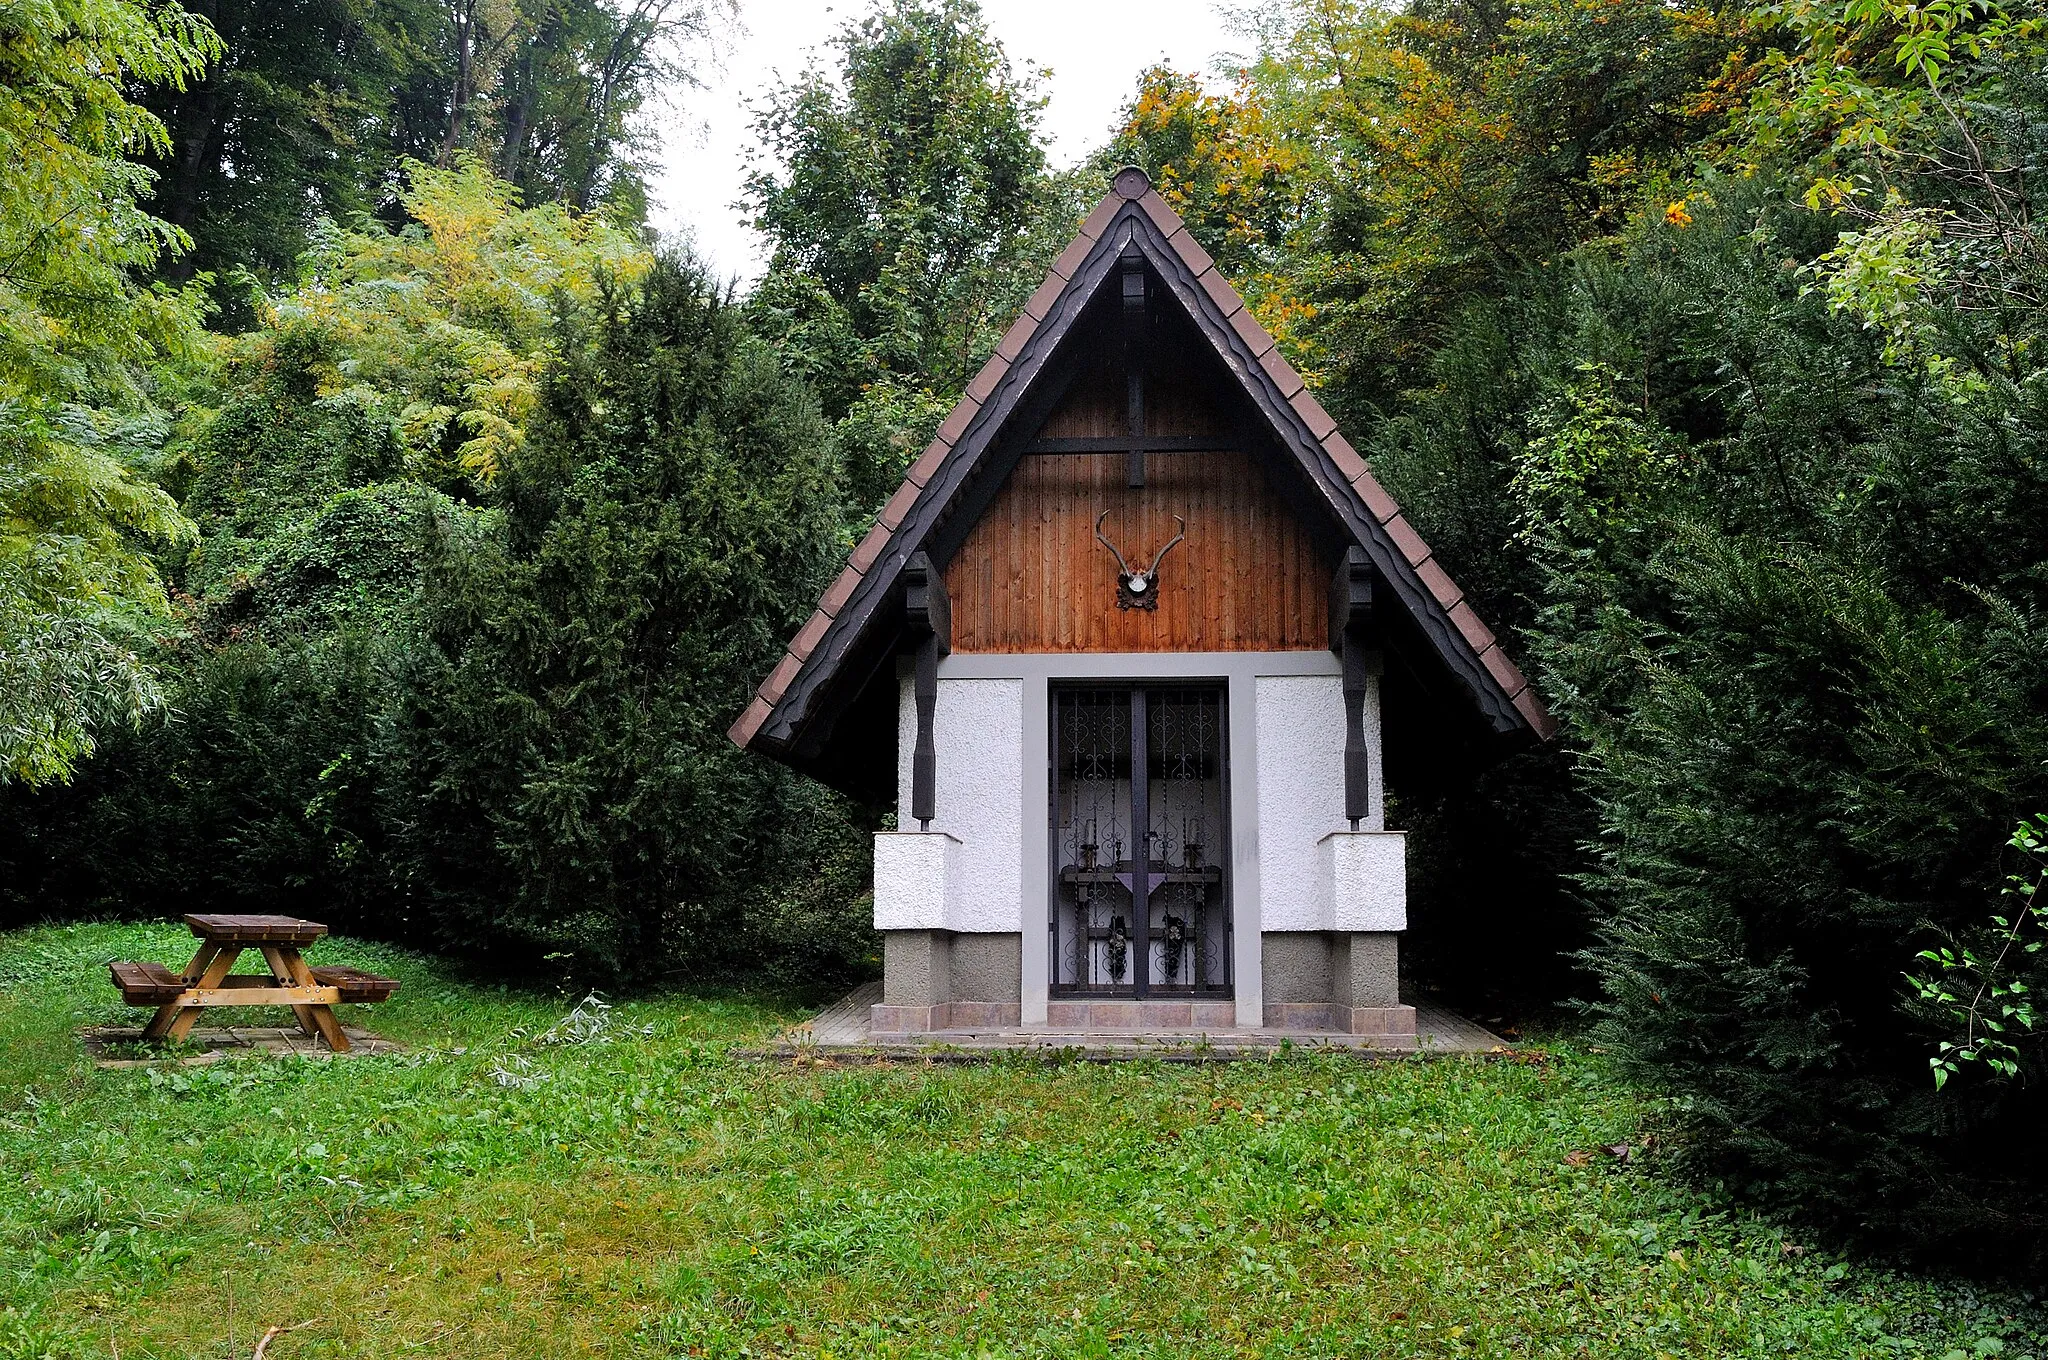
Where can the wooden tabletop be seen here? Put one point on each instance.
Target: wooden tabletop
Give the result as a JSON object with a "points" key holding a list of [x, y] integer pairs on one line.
{"points": [[226, 929]]}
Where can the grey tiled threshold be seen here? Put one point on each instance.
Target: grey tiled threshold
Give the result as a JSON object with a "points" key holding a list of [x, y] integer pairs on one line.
{"points": [[844, 1029]]}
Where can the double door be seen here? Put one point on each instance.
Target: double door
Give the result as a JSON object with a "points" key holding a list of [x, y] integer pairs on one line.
{"points": [[1140, 838]]}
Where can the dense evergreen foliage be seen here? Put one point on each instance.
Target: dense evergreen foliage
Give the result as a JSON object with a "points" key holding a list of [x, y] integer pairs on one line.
{"points": [[561, 779], [495, 517], [1792, 607]]}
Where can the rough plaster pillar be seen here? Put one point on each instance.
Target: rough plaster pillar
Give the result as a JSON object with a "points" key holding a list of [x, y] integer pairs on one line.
{"points": [[1367, 968], [1369, 910], [916, 968]]}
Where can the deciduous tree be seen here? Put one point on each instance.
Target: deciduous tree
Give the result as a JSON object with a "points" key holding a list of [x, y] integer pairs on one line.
{"points": [[78, 341], [907, 200]]}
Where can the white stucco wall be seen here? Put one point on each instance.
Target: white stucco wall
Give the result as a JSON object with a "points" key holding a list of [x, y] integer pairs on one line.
{"points": [[1300, 796], [978, 729], [1369, 878], [912, 872]]}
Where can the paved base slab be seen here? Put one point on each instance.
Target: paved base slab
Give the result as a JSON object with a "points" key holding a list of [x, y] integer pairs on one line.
{"points": [[842, 1031], [124, 1046]]}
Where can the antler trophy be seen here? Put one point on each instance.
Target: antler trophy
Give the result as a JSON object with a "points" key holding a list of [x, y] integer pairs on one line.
{"points": [[1138, 589]]}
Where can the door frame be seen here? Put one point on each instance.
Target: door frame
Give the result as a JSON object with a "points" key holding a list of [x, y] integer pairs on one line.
{"points": [[1140, 690]]}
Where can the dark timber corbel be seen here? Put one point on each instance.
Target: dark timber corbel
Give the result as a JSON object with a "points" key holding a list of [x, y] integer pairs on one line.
{"points": [[928, 619], [1351, 638]]}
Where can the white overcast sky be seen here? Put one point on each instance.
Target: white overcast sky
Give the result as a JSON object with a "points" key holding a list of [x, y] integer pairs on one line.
{"points": [[1095, 50]]}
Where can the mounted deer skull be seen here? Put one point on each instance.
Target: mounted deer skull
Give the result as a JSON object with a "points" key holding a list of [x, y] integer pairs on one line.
{"points": [[1138, 589]]}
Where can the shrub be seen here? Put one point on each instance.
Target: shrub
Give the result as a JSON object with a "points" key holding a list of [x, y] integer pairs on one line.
{"points": [[1792, 610], [560, 785]]}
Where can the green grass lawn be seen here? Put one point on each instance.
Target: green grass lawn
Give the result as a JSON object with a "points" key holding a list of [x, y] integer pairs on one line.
{"points": [[645, 1193]]}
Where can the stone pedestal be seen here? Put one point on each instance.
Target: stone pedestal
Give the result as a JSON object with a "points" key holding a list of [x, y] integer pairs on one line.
{"points": [[1347, 978], [1347, 982], [940, 979], [1365, 978]]}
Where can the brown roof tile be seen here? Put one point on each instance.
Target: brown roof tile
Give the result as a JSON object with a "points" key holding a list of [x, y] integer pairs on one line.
{"points": [[1221, 293], [1349, 465], [1188, 248], [1382, 506], [899, 505], [869, 548], [1440, 583], [839, 592], [806, 640], [985, 381], [1505, 671], [1407, 540], [1070, 258], [1040, 303], [928, 462], [1251, 332], [1281, 372], [777, 683], [1097, 222], [743, 729], [1471, 626], [1311, 411], [956, 423], [1163, 217], [1012, 343], [1532, 709]]}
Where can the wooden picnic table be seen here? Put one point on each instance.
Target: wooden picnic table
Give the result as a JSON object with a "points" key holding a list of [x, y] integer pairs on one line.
{"points": [[312, 993]]}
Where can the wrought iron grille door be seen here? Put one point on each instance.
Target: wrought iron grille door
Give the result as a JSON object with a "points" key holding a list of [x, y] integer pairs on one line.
{"points": [[1142, 902]]}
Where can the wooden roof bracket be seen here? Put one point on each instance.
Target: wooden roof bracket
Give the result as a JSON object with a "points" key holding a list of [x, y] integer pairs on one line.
{"points": [[1351, 637], [928, 620]]}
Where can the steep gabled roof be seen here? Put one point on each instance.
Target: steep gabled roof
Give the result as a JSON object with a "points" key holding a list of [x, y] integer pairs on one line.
{"points": [[789, 718]]}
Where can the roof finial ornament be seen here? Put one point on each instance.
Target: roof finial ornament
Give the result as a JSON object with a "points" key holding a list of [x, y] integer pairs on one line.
{"points": [[1132, 182]]}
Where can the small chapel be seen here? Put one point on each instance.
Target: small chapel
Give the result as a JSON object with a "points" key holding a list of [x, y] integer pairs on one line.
{"points": [[1132, 649]]}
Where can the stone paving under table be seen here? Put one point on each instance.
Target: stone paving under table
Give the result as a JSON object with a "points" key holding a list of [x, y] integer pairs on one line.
{"points": [[124, 1046], [841, 1030]]}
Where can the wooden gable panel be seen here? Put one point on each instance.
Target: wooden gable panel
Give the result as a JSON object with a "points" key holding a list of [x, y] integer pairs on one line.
{"points": [[1098, 403], [1031, 577]]}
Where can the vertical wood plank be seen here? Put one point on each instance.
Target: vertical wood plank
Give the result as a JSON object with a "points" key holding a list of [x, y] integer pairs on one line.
{"points": [[1032, 578]]}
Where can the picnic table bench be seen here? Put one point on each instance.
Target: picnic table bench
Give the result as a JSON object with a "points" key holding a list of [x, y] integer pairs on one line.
{"points": [[312, 993]]}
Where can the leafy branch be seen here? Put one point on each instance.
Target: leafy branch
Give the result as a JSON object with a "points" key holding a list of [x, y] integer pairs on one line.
{"points": [[2000, 1007]]}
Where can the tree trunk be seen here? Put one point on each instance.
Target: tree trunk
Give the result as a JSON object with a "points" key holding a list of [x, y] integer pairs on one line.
{"points": [[520, 108], [465, 76], [195, 151]]}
